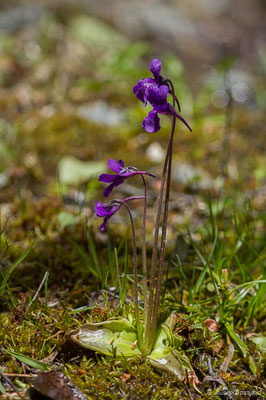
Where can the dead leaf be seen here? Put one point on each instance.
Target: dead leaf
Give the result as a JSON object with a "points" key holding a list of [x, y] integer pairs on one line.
{"points": [[211, 325], [218, 346], [125, 377], [56, 386], [226, 375], [192, 377]]}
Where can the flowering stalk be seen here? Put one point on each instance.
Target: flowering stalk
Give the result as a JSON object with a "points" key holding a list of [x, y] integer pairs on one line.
{"points": [[149, 333], [144, 253], [155, 91], [164, 224]]}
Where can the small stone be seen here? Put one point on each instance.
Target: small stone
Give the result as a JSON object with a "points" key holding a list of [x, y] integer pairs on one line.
{"points": [[155, 152]]}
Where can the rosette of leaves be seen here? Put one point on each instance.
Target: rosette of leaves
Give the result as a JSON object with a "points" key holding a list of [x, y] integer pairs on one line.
{"points": [[118, 337]]}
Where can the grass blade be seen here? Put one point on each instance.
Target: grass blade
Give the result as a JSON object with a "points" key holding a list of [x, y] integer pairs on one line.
{"points": [[29, 361], [89, 263], [13, 267], [234, 336]]}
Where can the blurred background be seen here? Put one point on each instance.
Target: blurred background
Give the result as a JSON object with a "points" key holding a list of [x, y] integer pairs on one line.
{"points": [[67, 69]]}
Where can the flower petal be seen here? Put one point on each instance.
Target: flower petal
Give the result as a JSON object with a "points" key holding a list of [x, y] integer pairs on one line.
{"points": [[103, 225], [107, 178], [107, 191], [99, 209], [116, 182], [157, 95], [152, 122], [120, 163], [155, 68], [115, 166], [109, 209], [140, 89]]}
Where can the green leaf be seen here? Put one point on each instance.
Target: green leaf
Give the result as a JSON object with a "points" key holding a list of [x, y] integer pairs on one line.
{"points": [[74, 172], [109, 337], [260, 340], [234, 336], [66, 219], [183, 359], [169, 333], [162, 356], [91, 31], [2, 390], [252, 365], [168, 362], [29, 361]]}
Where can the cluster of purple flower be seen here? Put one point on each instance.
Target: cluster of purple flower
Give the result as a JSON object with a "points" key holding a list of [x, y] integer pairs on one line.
{"points": [[155, 91], [122, 173]]}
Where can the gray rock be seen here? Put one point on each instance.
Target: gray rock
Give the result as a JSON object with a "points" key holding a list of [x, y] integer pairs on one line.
{"points": [[101, 113], [194, 177]]}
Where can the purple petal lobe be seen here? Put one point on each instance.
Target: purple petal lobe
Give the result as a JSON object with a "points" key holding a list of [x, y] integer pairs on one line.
{"points": [[107, 191], [140, 90], [99, 209], [114, 180], [155, 68], [106, 211], [107, 178], [103, 225], [120, 163], [152, 122], [157, 95], [115, 166]]}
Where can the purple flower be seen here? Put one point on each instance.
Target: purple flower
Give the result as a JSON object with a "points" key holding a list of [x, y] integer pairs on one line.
{"points": [[108, 209], [122, 173], [148, 89], [156, 92], [152, 122]]}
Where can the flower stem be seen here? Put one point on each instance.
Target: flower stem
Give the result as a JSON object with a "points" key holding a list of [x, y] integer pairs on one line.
{"points": [[135, 267], [153, 306], [149, 335], [164, 230], [144, 252]]}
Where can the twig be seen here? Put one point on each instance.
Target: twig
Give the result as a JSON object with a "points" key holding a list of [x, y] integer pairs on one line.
{"points": [[188, 387], [21, 375], [10, 383], [228, 358], [38, 291]]}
